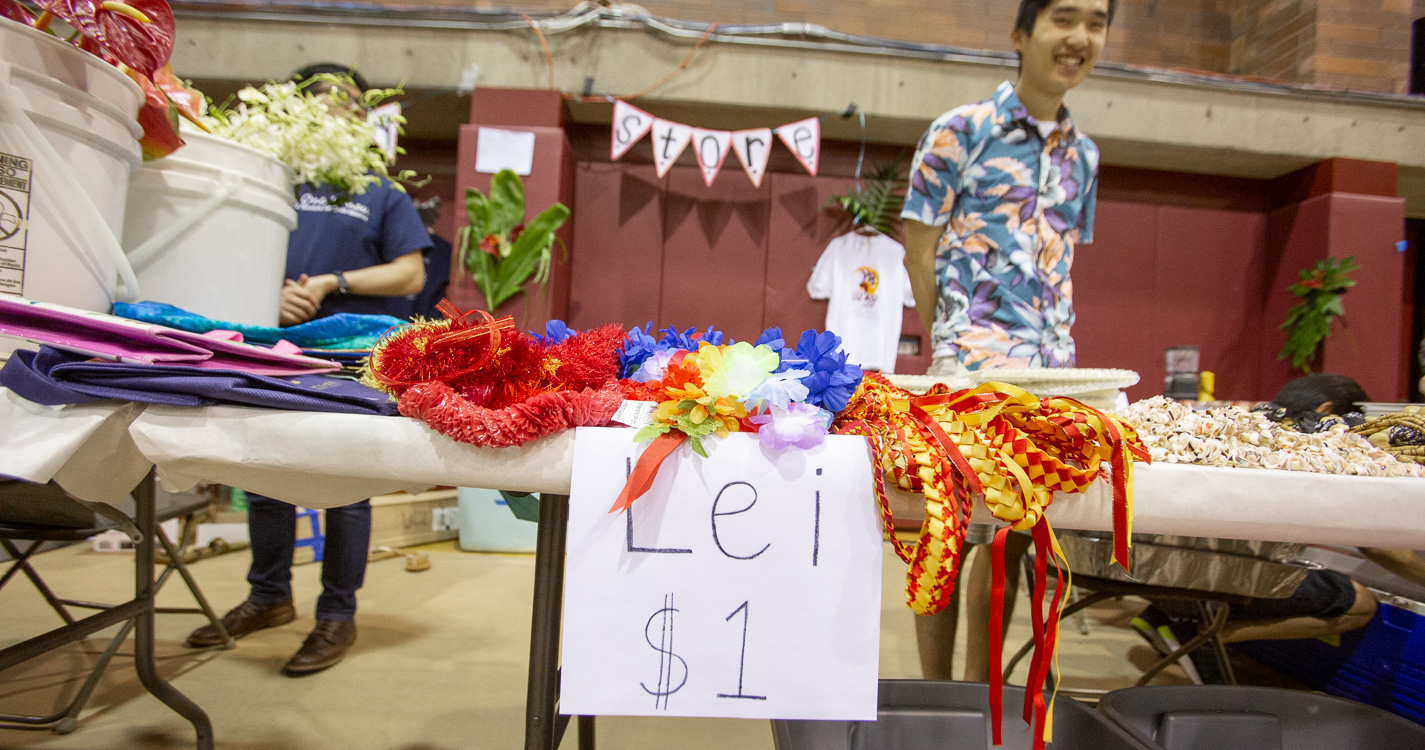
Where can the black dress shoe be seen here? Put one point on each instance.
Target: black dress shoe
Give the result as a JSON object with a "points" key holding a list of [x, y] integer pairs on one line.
{"points": [[323, 648], [243, 619]]}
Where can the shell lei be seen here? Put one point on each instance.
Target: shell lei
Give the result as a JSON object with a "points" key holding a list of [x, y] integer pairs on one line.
{"points": [[1011, 448]]}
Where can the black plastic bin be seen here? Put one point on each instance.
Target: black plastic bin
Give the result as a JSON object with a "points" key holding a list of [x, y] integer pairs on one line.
{"points": [[926, 714], [1233, 717]]}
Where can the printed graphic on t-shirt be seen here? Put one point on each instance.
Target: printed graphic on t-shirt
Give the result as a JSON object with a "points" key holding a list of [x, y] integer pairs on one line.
{"points": [[866, 289], [323, 204]]}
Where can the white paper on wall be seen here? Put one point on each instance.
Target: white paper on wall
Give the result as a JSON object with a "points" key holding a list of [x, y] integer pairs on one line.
{"points": [[669, 140], [753, 148], [629, 126], [710, 148], [804, 139], [387, 128], [497, 149], [746, 584]]}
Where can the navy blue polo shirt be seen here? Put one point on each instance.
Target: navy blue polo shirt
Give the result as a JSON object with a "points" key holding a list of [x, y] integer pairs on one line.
{"points": [[370, 229]]}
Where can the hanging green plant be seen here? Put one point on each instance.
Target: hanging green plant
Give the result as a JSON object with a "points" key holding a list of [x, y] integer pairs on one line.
{"points": [[1308, 322], [499, 249], [876, 203]]}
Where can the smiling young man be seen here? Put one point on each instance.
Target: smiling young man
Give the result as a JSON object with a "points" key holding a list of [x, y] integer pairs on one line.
{"points": [[1000, 193]]}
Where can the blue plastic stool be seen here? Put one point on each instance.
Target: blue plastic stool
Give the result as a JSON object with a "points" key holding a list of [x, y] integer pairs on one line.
{"points": [[318, 542]]}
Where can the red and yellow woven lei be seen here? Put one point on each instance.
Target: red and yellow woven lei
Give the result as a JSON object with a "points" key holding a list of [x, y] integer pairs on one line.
{"points": [[1011, 448]]}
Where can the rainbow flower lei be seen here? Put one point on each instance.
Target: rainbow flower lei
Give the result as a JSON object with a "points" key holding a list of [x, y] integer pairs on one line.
{"points": [[787, 395]]}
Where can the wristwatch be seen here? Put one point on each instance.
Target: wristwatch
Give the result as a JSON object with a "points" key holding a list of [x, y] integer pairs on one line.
{"points": [[342, 285]]}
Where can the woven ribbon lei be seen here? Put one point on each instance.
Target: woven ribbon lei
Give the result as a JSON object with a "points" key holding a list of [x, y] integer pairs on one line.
{"points": [[1013, 449]]}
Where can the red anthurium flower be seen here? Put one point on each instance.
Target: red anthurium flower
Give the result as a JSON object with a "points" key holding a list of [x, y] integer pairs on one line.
{"points": [[159, 119], [491, 244], [188, 101], [139, 33], [15, 12]]}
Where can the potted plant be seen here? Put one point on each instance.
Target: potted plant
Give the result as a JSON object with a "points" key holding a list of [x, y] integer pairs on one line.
{"points": [[875, 203], [1308, 322], [499, 248], [301, 125], [136, 36]]}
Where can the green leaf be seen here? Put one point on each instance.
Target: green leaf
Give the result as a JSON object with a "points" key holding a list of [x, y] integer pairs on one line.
{"points": [[532, 248], [650, 431], [697, 443], [477, 209], [506, 202]]}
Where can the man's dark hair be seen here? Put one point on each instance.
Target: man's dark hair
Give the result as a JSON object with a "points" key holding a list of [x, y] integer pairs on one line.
{"points": [[332, 69], [1307, 393], [1029, 11]]}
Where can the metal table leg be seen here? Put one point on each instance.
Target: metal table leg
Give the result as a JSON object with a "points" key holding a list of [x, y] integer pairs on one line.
{"points": [[143, 630], [541, 702]]}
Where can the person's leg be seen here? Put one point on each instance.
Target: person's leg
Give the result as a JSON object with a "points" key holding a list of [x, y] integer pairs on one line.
{"points": [[348, 543], [935, 638], [272, 534], [348, 539], [1361, 609], [977, 608]]}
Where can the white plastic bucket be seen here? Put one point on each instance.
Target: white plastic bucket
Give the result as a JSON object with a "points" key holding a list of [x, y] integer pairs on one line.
{"points": [[207, 229], [70, 118], [487, 525]]}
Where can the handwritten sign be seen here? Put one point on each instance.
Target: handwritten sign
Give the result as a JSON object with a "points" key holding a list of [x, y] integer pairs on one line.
{"points": [[746, 584]]}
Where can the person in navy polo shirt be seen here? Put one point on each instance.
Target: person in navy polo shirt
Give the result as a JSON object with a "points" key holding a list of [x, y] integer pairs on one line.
{"points": [[362, 255]]}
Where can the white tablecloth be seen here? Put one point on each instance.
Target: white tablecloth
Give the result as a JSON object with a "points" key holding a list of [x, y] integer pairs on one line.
{"points": [[99, 452]]}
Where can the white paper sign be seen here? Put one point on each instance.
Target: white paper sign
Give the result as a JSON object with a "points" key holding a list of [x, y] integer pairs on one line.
{"points": [[630, 124], [710, 147], [804, 139], [753, 148], [498, 149], [669, 140], [387, 128], [746, 584]]}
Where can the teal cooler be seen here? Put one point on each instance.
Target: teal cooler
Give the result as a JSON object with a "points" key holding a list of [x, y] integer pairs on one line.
{"points": [[488, 525]]}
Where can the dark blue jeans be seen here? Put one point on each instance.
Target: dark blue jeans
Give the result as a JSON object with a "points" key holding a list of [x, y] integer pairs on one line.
{"points": [[272, 527]]}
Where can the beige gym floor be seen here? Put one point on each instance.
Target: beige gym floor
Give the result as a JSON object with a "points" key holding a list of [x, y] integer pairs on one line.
{"points": [[440, 662]]}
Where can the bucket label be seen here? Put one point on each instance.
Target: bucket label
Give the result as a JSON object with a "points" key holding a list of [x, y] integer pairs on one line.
{"points": [[16, 174]]}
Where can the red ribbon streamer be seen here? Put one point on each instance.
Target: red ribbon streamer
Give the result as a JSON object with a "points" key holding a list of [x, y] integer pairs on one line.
{"points": [[951, 449], [997, 634], [646, 470]]}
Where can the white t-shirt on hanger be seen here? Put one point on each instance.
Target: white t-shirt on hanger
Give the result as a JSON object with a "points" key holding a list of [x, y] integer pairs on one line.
{"points": [[864, 277]]}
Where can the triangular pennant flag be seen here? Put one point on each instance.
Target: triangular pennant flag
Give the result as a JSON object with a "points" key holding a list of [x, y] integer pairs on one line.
{"points": [[710, 147], [753, 147], [669, 140], [804, 139], [630, 124]]}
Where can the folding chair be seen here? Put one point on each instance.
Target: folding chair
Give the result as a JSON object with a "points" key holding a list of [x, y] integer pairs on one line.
{"points": [[45, 513]]}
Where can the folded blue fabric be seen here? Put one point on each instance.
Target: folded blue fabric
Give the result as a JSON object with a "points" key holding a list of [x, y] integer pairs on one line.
{"points": [[340, 331], [54, 377]]}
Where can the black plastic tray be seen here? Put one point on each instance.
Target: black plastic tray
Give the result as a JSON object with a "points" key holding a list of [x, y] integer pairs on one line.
{"points": [[1219, 717], [925, 714]]}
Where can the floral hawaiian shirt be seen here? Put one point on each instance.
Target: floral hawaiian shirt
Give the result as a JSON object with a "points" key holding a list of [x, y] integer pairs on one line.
{"points": [[1016, 202]]}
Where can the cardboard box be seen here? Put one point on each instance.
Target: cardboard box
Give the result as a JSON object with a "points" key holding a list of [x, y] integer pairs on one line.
{"points": [[397, 520]]}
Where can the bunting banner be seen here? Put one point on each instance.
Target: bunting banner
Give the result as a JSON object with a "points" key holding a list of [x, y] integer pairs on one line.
{"points": [[710, 147], [804, 139], [669, 140], [630, 125], [753, 148]]}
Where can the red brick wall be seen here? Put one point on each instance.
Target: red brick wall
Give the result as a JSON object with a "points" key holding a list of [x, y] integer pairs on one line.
{"points": [[1360, 44]]}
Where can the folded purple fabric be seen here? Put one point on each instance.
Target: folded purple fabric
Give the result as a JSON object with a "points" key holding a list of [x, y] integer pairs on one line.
{"points": [[54, 377], [115, 338]]}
